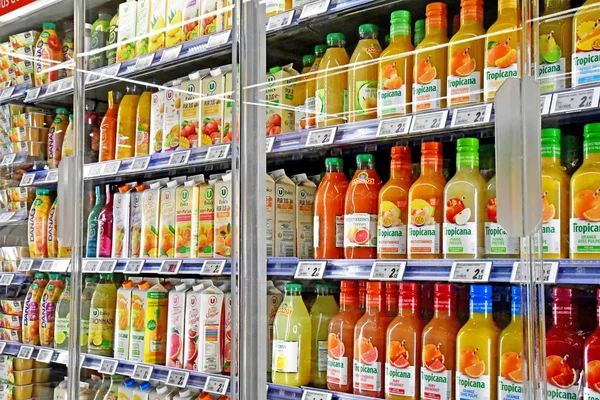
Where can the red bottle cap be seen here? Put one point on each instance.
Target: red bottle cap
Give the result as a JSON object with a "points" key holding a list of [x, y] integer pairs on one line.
{"points": [[374, 287], [444, 288], [431, 148], [408, 287], [560, 292]]}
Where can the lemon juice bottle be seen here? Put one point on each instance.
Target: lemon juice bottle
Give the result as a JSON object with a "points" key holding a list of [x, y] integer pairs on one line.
{"points": [[86, 304], [323, 310], [102, 317], [61, 321]]}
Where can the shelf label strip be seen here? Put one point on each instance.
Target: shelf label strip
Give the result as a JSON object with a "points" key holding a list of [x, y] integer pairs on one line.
{"points": [[387, 271]]}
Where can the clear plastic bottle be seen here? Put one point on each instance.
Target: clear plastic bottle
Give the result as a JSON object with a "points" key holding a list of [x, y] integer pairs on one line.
{"points": [[102, 327], [61, 321], [67, 148], [86, 304], [322, 311]]}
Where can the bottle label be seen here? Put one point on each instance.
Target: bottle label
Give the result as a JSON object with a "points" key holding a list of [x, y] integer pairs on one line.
{"points": [[366, 97], [427, 95], [391, 232], [568, 393], [61, 332], [494, 77], [551, 236], [339, 231], [460, 239], [584, 236], [360, 230], [472, 388], [337, 370], [391, 93], [322, 355], [367, 377], [320, 105], [497, 240], [509, 390], [424, 239], [585, 65], [590, 394], [552, 75], [436, 385], [309, 109], [285, 356], [400, 381], [464, 89], [102, 324], [316, 228]]}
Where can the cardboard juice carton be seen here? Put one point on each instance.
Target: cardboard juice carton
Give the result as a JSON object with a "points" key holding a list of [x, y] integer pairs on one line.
{"points": [[285, 215], [176, 326], [120, 234], [225, 288], [157, 120], [190, 111], [135, 221], [174, 35], [122, 320], [270, 214], [211, 109], [223, 230], [166, 239], [127, 12], [142, 27], [305, 209], [212, 23], [158, 18], [277, 6], [171, 116], [228, 19], [280, 99], [274, 299], [157, 306], [186, 219], [192, 316], [191, 9], [206, 217], [228, 107], [210, 356], [138, 321], [151, 219]]}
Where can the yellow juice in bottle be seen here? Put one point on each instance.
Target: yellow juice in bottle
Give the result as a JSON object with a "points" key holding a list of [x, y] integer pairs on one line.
{"points": [[331, 96], [102, 317], [556, 47], [300, 92], [362, 75], [311, 86], [126, 127], [510, 377], [586, 56], [394, 92], [50, 297], [465, 58], [323, 310], [431, 59]]}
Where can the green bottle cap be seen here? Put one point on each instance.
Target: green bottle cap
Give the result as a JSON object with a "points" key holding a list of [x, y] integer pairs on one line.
{"points": [[39, 275], [67, 279], [274, 70], [400, 23], [322, 288], [106, 276], [420, 25], [54, 275], [62, 111], [293, 287], [467, 152], [49, 25], [591, 135], [308, 60], [334, 39], [42, 192], [368, 28], [70, 117], [361, 158], [334, 162], [320, 49], [467, 144], [551, 143]]}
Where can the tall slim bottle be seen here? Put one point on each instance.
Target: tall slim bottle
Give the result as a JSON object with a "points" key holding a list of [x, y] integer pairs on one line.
{"points": [[311, 86], [331, 102], [362, 75], [105, 226], [510, 376], [86, 304], [108, 128], [92, 224], [102, 317]]}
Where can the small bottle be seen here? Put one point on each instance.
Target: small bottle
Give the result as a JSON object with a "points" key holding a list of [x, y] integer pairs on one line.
{"points": [[68, 49], [322, 311], [105, 226], [67, 148]]}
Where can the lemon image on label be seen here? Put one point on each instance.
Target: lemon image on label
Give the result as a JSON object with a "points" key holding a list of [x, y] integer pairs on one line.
{"points": [[61, 337], [97, 340], [280, 362]]}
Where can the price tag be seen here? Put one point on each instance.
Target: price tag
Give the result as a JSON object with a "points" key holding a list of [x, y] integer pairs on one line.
{"points": [[218, 152], [216, 385], [213, 267], [111, 168], [575, 100], [310, 270], [25, 352], [6, 93], [66, 84], [280, 20], [107, 266], [170, 54], [9, 159], [111, 70], [63, 357], [52, 88], [387, 271], [170, 267], [142, 372], [144, 62], [32, 94], [394, 126], [108, 366], [470, 271], [47, 266], [472, 115], [90, 266], [140, 164], [429, 121], [61, 265], [545, 102], [44, 355], [93, 77], [134, 266], [6, 279], [218, 39], [269, 142], [81, 360], [52, 176], [27, 179], [25, 265], [177, 378], [550, 272], [316, 395], [2, 346], [315, 8], [94, 170], [321, 137], [179, 157], [5, 217]]}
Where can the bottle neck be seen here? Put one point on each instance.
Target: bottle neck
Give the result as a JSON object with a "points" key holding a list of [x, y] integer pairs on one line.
{"points": [[591, 151], [480, 308], [436, 24], [400, 169], [470, 16], [374, 303], [364, 165], [333, 168], [553, 6], [349, 300], [408, 306], [467, 161], [108, 196], [431, 164], [564, 314], [507, 8], [444, 307]]}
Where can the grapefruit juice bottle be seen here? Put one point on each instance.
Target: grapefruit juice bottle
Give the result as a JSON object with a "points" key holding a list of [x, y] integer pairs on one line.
{"points": [[331, 101], [591, 355], [311, 86], [555, 46], [510, 377], [322, 311], [586, 31]]}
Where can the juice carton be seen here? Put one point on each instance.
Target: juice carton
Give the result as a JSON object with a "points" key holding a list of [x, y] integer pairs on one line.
{"points": [[228, 107], [142, 391], [155, 348], [206, 217], [223, 234], [285, 215], [175, 327], [127, 12], [192, 316], [163, 393], [186, 219], [174, 35], [120, 234], [190, 111], [228, 19], [23, 39], [210, 357], [137, 323], [150, 220], [158, 17], [305, 207], [211, 108], [274, 299], [123, 320], [157, 120], [213, 22], [166, 240], [50, 297], [142, 27], [190, 12], [171, 118], [135, 221], [270, 214], [280, 99], [226, 327]]}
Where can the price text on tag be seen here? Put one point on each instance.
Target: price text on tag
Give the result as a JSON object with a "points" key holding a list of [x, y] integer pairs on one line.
{"points": [[217, 152], [281, 20], [107, 266], [61, 265], [394, 126], [310, 270], [216, 385], [6, 93], [170, 54], [111, 167], [134, 266], [52, 176], [144, 62], [32, 94], [519, 272], [575, 100], [47, 266], [44, 355], [321, 137], [429, 121], [6, 279], [108, 366], [472, 115], [387, 271], [142, 372], [27, 179], [316, 395], [470, 271], [90, 266], [112, 70], [177, 378], [269, 143], [140, 164], [170, 267], [179, 157], [25, 265], [213, 267], [218, 39], [9, 159], [52, 88], [545, 103], [25, 352], [315, 8], [94, 170]]}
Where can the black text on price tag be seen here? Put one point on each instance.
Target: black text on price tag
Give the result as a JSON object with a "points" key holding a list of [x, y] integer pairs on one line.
{"points": [[140, 164], [280, 20], [90, 266], [387, 271], [52, 88], [107, 266], [6, 93], [63, 357], [111, 167], [394, 126], [52, 176], [545, 103], [179, 157], [9, 159], [310, 270], [321, 137], [550, 272], [2, 346], [134, 266], [575, 100], [142, 372], [170, 266], [471, 115], [25, 352], [25, 265], [32, 94], [216, 385], [218, 152], [47, 266], [470, 271], [27, 179], [93, 170], [213, 267], [269, 143], [108, 366], [61, 265], [170, 54], [429, 122], [144, 62], [93, 77], [112, 70], [315, 8], [177, 378], [316, 395], [6, 279], [44, 355], [518, 274], [218, 39], [66, 84]]}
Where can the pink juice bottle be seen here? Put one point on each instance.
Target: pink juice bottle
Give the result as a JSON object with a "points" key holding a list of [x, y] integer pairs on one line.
{"points": [[105, 226]]}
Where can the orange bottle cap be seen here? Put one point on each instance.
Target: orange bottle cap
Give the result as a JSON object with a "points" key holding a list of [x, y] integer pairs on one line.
{"points": [[436, 14], [141, 187], [437, 7], [401, 152], [348, 285], [127, 284], [144, 285], [431, 147], [124, 188]]}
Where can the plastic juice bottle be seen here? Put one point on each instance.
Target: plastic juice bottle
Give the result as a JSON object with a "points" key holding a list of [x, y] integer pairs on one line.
{"points": [[501, 44], [555, 46], [126, 390], [591, 357], [331, 94], [419, 31], [311, 86], [48, 54], [510, 377], [391, 301], [322, 311], [394, 92], [274, 299], [369, 344], [300, 91], [362, 75], [31, 309], [102, 317], [108, 127], [113, 32], [464, 204], [67, 147], [126, 126], [564, 347], [465, 56], [555, 197], [585, 198], [37, 224], [439, 346], [142, 119], [497, 242], [52, 233], [100, 29], [403, 344], [105, 226], [328, 226], [477, 348], [362, 295], [360, 210], [392, 214], [56, 135], [52, 293], [429, 71], [425, 209], [92, 224], [585, 62], [291, 340], [86, 305], [61, 321]]}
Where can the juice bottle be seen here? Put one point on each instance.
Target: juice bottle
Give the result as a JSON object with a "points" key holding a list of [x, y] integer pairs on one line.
{"points": [[329, 211], [37, 224], [360, 210], [362, 75], [311, 86], [510, 377], [464, 204], [391, 302], [142, 123], [102, 317], [556, 46], [431, 61], [419, 31], [555, 197], [564, 347], [591, 356], [501, 44], [392, 214], [108, 127], [56, 135], [92, 224], [362, 295], [48, 54], [67, 147], [274, 299], [369, 344], [105, 226], [322, 311], [31, 309], [477, 349], [122, 320], [52, 233], [584, 230], [126, 126], [300, 91], [52, 293], [61, 320], [585, 61], [425, 201], [100, 29], [403, 344], [291, 340], [86, 305], [439, 346], [394, 92], [331, 94], [465, 56]]}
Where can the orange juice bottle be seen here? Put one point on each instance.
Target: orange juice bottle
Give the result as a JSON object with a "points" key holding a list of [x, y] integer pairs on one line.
{"points": [[391, 301], [360, 210], [48, 54], [37, 224], [585, 61], [425, 205], [108, 127], [126, 127], [501, 44], [300, 91], [328, 226], [393, 206], [142, 123], [555, 46], [431, 61], [403, 343], [362, 75], [311, 86], [465, 58], [510, 348], [331, 95], [439, 346], [369, 344]]}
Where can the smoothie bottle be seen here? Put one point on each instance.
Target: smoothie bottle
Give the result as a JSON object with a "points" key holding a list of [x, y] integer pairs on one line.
{"points": [[52, 293], [37, 224], [92, 225], [591, 356], [362, 75], [105, 226], [556, 46], [61, 320], [99, 37], [394, 92], [311, 86], [431, 61], [331, 95], [497, 242], [142, 120], [510, 377], [360, 210], [31, 309], [48, 54], [322, 311], [102, 317], [108, 128], [328, 225], [52, 233], [56, 134], [126, 126], [585, 60]]}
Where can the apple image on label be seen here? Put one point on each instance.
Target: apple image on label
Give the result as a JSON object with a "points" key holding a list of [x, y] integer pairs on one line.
{"points": [[463, 216]]}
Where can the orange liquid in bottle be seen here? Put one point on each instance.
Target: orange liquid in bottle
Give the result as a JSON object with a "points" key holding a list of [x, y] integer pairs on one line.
{"points": [[108, 128]]}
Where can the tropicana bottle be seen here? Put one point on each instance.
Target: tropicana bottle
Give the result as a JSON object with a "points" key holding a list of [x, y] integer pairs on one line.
{"points": [[331, 102], [510, 373]]}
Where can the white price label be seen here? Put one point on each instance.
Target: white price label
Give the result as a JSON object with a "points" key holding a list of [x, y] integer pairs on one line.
{"points": [[170, 54], [66, 84], [321, 137], [6, 279], [310, 270], [27, 179], [111, 168], [472, 115], [93, 170], [218, 39], [112, 70], [216, 385], [52, 88], [81, 360], [44, 355], [387, 271], [47, 266], [107, 266], [316, 395], [32, 94], [140, 164], [63, 357], [429, 121], [394, 126], [25, 265], [2, 346], [9, 159], [179, 157], [6, 93], [545, 102], [315, 8], [61, 265], [142, 372], [144, 62], [213, 267], [269, 143], [108, 366], [177, 378], [170, 267], [575, 100], [5, 217], [25, 352], [134, 266], [470, 271], [94, 77], [217, 152], [280, 20], [90, 266], [52, 176], [519, 273]]}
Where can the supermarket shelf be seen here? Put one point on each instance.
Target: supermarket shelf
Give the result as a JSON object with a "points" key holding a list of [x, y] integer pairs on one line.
{"points": [[282, 392], [40, 177], [12, 279], [13, 93]]}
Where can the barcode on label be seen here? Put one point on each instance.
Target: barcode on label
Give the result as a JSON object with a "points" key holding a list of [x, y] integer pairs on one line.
{"points": [[575, 100], [468, 271]]}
